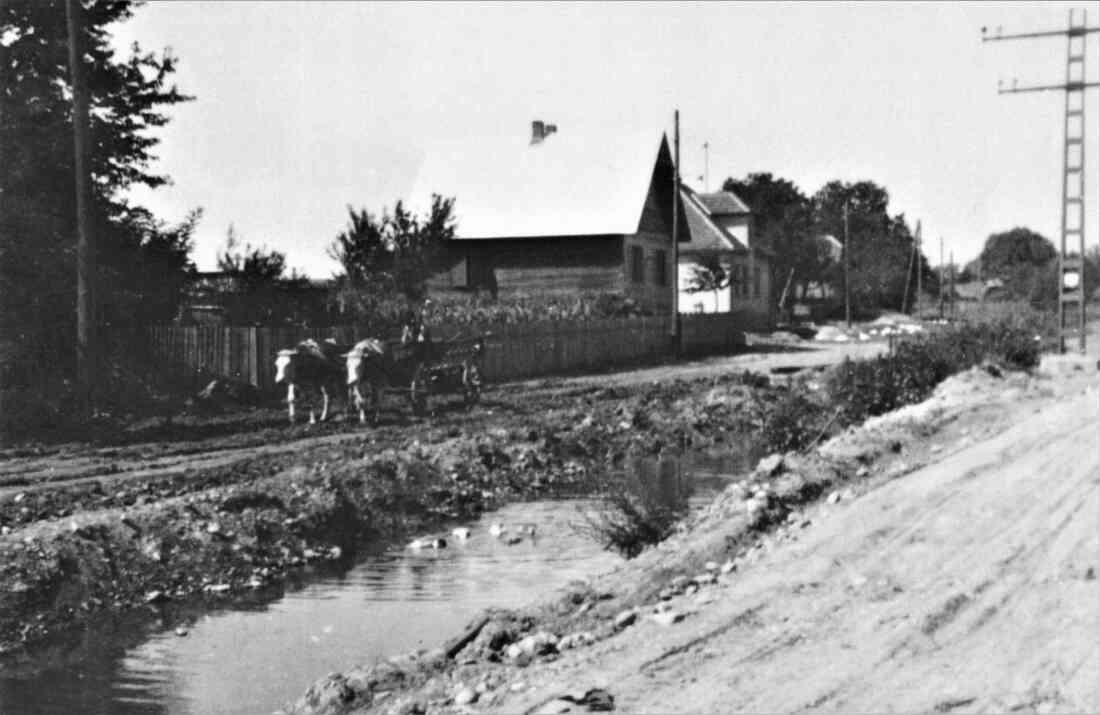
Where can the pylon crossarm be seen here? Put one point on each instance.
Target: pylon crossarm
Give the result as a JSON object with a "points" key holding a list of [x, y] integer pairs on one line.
{"points": [[1071, 32], [1069, 86]]}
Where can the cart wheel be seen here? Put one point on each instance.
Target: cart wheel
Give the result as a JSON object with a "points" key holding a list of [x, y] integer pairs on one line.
{"points": [[471, 381], [418, 396]]}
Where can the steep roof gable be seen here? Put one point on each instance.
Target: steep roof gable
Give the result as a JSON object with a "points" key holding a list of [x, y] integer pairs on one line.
{"points": [[705, 234], [570, 184]]}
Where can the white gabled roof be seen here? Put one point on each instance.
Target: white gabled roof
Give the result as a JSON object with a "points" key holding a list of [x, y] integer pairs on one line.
{"points": [[572, 183]]}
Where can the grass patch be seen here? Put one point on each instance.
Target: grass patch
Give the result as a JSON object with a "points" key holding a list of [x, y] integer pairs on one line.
{"points": [[639, 509]]}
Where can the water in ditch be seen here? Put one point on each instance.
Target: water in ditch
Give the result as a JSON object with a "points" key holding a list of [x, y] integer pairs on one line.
{"points": [[259, 654]]}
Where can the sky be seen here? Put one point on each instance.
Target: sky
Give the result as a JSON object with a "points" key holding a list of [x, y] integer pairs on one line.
{"points": [[302, 109]]}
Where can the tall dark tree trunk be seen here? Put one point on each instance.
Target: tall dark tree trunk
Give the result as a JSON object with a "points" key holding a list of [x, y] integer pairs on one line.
{"points": [[86, 343]]}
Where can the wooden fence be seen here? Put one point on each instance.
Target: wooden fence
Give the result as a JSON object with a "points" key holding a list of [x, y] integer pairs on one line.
{"points": [[201, 352]]}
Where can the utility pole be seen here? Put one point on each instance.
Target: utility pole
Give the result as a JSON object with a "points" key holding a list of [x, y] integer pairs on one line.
{"points": [[1071, 293], [951, 295], [847, 287], [917, 246], [86, 347], [909, 273], [674, 327], [942, 276]]}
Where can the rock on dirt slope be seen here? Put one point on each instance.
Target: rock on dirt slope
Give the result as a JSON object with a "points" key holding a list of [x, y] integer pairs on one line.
{"points": [[969, 585]]}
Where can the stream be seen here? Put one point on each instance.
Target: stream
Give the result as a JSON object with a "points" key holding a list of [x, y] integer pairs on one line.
{"points": [[260, 652]]}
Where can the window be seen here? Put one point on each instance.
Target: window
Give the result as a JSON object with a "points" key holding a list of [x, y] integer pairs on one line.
{"points": [[756, 281], [662, 268], [637, 264]]}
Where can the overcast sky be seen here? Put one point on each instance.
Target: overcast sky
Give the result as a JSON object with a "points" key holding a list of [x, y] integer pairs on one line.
{"points": [[304, 108]]}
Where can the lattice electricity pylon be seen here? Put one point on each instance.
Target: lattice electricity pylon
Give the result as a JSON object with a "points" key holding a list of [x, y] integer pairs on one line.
{"points": [[1071, 293]]}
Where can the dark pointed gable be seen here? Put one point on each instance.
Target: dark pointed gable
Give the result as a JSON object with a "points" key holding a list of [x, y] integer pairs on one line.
{"points": [[657, 212]]}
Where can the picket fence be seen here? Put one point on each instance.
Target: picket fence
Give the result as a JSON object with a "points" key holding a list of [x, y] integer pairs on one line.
{"points": [[198, 353]]}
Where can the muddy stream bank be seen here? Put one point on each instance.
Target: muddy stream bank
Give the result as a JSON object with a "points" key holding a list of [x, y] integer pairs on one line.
{"points": [[253, 654], [75, 549]]}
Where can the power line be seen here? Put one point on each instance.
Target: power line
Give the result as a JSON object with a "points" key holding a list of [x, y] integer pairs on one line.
{"points": [[1071, 280]]}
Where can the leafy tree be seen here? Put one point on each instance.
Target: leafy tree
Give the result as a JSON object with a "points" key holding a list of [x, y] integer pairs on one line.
{"points": [[1025, 262], [253, 266], [362, 248], [880, 246], [1006, 251], [1092, 270], [137, 256], [782, 220], [394, 254], [265, 293], [152, 271], [708, 273]]}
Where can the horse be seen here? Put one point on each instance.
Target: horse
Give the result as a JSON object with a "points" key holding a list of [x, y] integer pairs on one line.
{"points": [[309, 365], [366, 372]]}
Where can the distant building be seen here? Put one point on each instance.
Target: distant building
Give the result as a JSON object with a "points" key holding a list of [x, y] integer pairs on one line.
{"points": [[973, 291], [832, 246], [558, 212], [720, 228]]}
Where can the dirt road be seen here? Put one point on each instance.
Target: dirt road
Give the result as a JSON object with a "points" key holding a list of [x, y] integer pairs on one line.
{"points": [[969, 585], [253, 439], [240, 499]]}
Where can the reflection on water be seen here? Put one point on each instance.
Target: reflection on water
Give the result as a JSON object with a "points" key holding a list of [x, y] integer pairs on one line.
{"points": [[259, 655]]}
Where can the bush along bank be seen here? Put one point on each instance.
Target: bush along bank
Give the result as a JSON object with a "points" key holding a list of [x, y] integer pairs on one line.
{"points": [[856, 390]]}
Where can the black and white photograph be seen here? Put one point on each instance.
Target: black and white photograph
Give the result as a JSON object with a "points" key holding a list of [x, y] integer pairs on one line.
{"points": [[532, 357]]}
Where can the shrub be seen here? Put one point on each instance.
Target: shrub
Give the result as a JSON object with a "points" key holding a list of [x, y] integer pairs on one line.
{"points": [[791, 421], [872, 387], [638, 510]]}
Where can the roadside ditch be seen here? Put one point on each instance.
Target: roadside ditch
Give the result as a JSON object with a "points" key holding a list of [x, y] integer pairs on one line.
{"points": [[229, 530]]}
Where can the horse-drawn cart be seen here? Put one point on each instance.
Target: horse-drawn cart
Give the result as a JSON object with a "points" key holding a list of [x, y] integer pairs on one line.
{"points": [[425, 368]]}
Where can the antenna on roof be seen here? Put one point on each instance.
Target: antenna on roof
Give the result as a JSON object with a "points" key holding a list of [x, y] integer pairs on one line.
{"points": [[706, 167]]}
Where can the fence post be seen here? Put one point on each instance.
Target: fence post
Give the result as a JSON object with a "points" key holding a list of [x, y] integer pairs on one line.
{"points": [[253, 358]]}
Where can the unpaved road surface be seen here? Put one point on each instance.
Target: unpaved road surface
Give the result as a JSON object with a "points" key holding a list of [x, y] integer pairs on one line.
{"points": [[262, 438], [967, 586]]}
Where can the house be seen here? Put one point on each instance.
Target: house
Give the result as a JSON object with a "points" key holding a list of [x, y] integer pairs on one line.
{"points": [[974, 291], [720, 230], [558, 212], [831, 246]]}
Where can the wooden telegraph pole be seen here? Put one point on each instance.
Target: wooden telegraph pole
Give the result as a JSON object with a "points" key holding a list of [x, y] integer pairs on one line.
{"points": [[674, 327], [917, 257], [847, 286], [86, 344], [942, 276]]}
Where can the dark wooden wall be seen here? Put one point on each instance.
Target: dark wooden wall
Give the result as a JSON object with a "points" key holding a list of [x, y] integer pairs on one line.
{"points": [[538, 265]]}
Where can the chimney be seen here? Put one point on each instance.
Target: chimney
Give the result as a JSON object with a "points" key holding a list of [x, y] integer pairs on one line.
{"points": [[540, 130]]}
